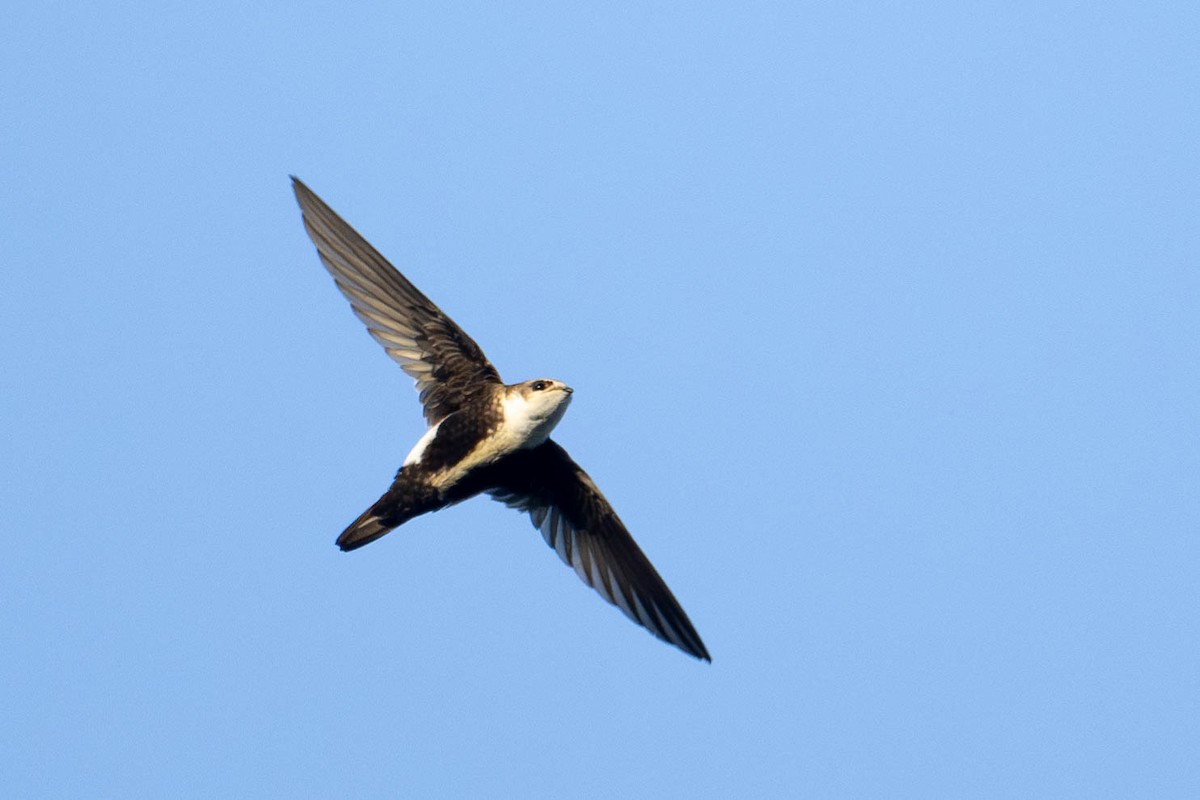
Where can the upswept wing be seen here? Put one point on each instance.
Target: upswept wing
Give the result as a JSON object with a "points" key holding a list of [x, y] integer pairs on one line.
{"points": [[581, 526], [445, 362]]}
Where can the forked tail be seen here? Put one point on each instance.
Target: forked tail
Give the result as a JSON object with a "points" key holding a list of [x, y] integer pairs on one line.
{"points": [[404, 500]]}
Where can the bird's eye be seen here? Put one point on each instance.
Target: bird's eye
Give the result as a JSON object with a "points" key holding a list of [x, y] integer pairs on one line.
{"points": [[539, 385]]}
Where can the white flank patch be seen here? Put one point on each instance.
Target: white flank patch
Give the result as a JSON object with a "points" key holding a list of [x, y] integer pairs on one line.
{"points": [[414, 455]]}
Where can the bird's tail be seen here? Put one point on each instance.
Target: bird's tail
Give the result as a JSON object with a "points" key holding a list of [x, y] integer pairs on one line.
{"points": [[404, 500]]}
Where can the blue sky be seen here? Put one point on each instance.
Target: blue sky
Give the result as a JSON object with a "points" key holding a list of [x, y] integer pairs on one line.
{"points": [[883, 325]]}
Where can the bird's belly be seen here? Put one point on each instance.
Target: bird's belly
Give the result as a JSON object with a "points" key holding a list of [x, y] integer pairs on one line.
{"points": [[487, 452]]}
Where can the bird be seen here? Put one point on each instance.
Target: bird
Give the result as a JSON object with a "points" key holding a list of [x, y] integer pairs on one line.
{"points": [[485, 436]]}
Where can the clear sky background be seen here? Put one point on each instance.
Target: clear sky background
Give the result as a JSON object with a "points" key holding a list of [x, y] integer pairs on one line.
{"points": [[883, 321]]}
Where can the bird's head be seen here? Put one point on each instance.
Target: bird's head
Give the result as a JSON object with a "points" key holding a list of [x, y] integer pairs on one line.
{"points": [[537, 406]]}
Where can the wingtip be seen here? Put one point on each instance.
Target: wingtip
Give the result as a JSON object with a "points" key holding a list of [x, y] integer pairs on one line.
{"points": [[697, 651], [299, 187]]}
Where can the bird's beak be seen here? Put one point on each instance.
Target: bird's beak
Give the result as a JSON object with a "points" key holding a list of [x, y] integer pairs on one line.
{"points": [[568, 389]]}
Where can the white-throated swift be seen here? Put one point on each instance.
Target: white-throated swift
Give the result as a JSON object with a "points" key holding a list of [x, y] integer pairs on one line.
{"points": [[486, 436]]}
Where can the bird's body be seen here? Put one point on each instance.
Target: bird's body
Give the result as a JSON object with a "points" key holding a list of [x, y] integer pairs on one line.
{"points": [[485, 436], [446, 463]]}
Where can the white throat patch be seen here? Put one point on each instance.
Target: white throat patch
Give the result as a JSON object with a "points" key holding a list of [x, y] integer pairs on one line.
{"points": [[529, 418]]}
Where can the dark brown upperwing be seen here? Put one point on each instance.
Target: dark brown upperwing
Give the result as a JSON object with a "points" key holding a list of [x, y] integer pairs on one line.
{"points": [[582, 527], [445, 362]]}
